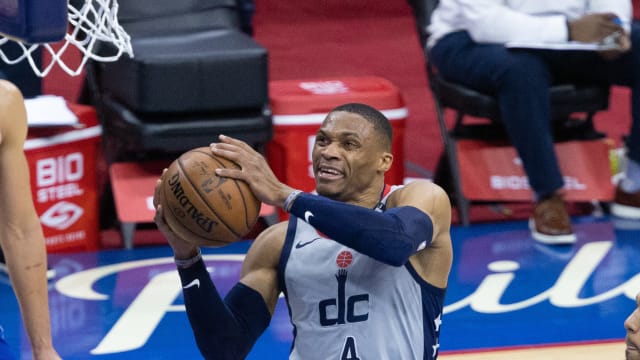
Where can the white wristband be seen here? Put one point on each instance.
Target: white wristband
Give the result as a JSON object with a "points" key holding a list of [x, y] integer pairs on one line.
{"points": [[185, 263], [288, 202]]}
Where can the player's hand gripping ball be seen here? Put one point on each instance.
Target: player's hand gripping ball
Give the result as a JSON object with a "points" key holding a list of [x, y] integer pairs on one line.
{"points": [[203, 208]]}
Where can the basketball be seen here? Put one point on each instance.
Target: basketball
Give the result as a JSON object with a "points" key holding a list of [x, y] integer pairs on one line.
{"points": [[203, 208]]}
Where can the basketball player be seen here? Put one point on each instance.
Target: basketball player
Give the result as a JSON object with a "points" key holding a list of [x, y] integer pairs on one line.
{"points": [[363, 265], [632, 324], [21, 236]]}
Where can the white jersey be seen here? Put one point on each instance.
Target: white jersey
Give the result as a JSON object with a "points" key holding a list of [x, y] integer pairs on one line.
{"points": [[346, 305], [501, 21]]}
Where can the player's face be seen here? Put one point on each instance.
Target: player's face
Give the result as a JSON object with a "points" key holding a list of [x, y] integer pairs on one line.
{"points": [[348, 158], [632, 324]]}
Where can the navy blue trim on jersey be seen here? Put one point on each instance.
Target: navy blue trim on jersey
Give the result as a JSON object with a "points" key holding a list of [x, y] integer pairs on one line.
{"points": [[286, 251], [438, 291], [432, 305], [284, 258], [390, 237]]}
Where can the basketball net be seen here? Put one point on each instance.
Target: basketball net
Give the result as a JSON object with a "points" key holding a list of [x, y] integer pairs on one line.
{"points": [[91, 26]]}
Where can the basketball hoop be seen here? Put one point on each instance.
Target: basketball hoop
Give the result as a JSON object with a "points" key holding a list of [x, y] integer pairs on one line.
{"points": [[93, 29]]}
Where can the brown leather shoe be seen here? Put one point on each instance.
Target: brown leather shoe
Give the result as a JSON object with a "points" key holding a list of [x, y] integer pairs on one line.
{"points": [[550, 222], [626, 205]]}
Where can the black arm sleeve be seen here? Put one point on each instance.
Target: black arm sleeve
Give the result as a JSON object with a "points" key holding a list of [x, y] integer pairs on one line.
{"points": [[224, 329], [390, 237]]}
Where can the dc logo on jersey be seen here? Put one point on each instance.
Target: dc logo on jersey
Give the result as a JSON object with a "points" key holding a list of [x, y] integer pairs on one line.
{"points": [[344, 309]]}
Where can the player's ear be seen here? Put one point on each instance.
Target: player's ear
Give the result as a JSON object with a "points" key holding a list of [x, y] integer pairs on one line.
{"points": [[386, 159]]}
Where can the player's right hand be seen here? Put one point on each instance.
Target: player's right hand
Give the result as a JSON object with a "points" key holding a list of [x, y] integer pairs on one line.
{"points": [[254, 170], [182, 249]]}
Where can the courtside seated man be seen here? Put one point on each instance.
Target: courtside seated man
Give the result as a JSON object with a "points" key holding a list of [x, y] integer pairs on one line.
{"points": [[21, 236], [363, 265], [467, 45]]}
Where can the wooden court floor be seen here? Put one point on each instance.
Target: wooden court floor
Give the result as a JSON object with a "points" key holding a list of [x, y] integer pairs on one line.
{"points": [[602, 351]]}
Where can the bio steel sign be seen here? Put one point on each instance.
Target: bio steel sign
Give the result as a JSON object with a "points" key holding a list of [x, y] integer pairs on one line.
{"points": [[63, 169]]}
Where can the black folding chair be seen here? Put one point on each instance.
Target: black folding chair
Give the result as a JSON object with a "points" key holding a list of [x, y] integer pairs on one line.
{"points": [[567, 101]]}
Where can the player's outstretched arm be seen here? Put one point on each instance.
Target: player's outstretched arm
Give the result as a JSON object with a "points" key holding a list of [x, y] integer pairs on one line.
{"points": [[223, 328]]}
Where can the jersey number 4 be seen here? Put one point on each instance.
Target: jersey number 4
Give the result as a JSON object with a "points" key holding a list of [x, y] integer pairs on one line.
{"points": [[349, 351]]}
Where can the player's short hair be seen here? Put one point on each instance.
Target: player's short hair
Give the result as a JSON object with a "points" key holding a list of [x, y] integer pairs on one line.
{"points": [[380, 122]]}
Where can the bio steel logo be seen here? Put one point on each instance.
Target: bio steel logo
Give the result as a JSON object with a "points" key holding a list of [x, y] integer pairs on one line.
{"points": [[325, 87], [61, 215], [57, 178]]}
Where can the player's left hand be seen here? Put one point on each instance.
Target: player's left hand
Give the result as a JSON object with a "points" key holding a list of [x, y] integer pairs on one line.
{"points": [[182, 249]]}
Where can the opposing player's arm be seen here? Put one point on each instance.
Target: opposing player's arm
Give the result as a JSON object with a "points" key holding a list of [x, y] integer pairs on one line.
{"points": [[14, 169], [434, 261], [21, 234]]}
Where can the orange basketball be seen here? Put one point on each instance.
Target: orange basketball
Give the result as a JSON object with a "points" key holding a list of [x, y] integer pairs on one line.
{"points": [[203, 208]]}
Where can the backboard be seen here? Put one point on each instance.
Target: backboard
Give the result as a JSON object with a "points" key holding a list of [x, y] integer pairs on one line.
{"points": [[34, 21], [57, 25]]}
